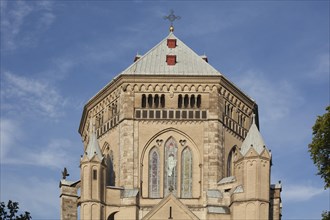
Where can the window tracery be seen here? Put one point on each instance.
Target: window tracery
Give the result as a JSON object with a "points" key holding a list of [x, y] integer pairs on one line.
{"points": [[170, 168], [186, 173], [154, 177]]}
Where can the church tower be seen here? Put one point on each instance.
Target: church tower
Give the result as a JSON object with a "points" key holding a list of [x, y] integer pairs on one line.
{"points": [[93, 178], [252, 170], [170, 137]]}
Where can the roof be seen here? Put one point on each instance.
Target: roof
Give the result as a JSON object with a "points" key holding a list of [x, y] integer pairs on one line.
{"points": [[253, 139], [187, 61], [93, 147]]}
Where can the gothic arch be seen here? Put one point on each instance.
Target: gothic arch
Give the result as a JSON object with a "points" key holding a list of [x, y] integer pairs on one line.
{"points": [[186, 172], [230, 161], [105, 147], [180, 141], [149, 145], [154, 172], [112, 216]]}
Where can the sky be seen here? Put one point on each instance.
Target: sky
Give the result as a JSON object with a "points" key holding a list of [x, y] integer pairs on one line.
{"points": [[55, 55]]}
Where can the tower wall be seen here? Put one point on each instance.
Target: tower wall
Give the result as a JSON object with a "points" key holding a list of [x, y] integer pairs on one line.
{"points": [[68, 200]]}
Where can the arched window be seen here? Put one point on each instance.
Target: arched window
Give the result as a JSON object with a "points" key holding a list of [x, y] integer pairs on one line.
{"points": [[170, 168], [162, 101], [156, 101], [149, 100], [180, 101], [199, 101], [230, 162], [186, 101], [186, 173], [112, 216], [144, 101], [154, 173], [114, 109], [111, 178], [192, 101]]}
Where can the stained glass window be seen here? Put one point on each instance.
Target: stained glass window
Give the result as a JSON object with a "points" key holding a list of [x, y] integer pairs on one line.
{"points": [[170, 168], [154, 173], [186, 173]]}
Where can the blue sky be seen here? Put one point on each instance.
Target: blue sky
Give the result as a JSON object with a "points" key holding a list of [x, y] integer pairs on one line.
{"points": [[55, 55]]}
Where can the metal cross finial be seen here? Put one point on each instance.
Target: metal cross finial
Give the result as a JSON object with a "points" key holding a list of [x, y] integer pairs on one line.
{"points": [[172, 17]]}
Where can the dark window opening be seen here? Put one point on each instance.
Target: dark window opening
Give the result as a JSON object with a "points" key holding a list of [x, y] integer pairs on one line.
{"points": [[144, 101], [192, 101], [94, 174], [180, 101], [199, 101], [149, 100], [162, 101], [186, 101], [156, 101]]}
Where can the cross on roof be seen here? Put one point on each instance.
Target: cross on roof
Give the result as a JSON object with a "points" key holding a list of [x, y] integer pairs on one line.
{"points": [[172, 17]]}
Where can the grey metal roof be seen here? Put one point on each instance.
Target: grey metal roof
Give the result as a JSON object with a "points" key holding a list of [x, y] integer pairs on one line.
{"points": [[93, 147], [154, 61], [239, 189], [218, 209], [228, 179], [253, 139], [127, 193], [214, 193]]}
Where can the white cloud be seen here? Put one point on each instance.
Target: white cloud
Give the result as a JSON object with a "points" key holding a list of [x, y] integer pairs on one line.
{"points": [[15, 30], [299, 193], [321, 69], [31, 96], [55, 155], [276, 99], [10, 134]]}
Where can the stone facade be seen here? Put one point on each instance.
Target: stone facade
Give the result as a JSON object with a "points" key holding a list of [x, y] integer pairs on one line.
{"points": [[164, 142]]}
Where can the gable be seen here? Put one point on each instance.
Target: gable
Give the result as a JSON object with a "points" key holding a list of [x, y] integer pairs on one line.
{"points": [[170, 206]]}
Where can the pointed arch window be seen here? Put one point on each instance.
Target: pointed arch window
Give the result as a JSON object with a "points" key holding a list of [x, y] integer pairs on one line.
{"points": [[170, 168], [186, 173], [230, 162], [154, 173], [111, 179]]}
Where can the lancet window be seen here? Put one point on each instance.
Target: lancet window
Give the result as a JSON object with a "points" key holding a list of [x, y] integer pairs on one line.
{"points": [[153, 101], [230, 162], [110, 170], [191, 101], [154, 173], [186, 173], [170, 168]]}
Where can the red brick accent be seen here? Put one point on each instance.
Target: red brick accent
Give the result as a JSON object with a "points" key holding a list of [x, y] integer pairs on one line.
{"points": [[171, 60], [171, 43]]}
